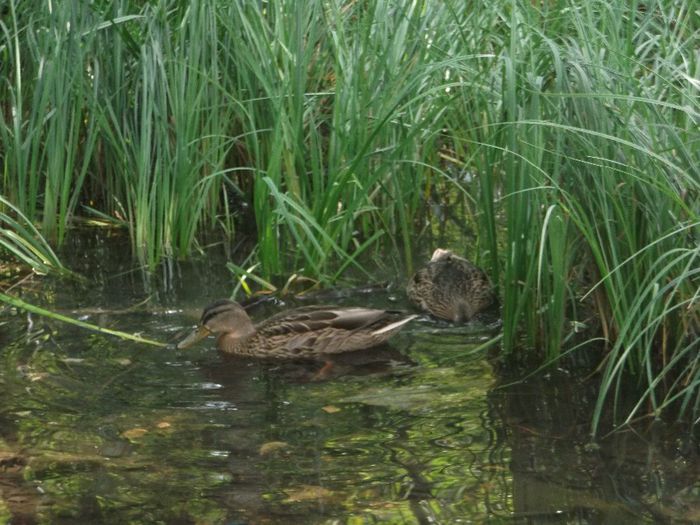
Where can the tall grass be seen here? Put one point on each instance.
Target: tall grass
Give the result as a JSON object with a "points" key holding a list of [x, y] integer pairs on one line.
{"points": [[129, 104], [47, 133], [338, 98], [593, 148], [561, 137], [165, 130]]}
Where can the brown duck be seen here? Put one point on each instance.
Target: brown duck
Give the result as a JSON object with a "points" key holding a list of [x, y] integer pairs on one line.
{"points": [[315, 332], [451, 287]]}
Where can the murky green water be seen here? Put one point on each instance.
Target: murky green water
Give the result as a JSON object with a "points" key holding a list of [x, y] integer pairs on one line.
{"points": [[97, 430]]}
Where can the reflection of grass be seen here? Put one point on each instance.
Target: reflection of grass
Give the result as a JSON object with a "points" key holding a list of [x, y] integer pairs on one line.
{"points": [[142, 440], [434, 392], [565, 136], [76, 424]]}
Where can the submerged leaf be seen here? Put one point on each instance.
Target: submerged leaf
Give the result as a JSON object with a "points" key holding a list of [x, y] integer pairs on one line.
{"points": [[273, 447], [308, 493], [134, 433]]}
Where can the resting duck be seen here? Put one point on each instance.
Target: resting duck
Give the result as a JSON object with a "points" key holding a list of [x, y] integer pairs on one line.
{"points": [[308, 332], [451, 287]]}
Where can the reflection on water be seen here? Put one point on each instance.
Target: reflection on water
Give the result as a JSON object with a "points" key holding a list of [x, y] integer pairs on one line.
{"points": [[98, 430]]}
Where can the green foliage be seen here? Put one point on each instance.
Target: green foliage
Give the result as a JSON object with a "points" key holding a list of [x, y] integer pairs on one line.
{"points": [[21, 240], [335, 99], [119, 110], [47, 131], [164, 119], [589, 158]]}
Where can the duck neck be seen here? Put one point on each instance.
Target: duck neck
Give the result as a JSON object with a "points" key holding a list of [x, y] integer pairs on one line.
{"points": [[236, 341]]}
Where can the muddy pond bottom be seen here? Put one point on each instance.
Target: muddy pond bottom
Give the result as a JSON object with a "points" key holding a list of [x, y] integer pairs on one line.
{"points": [[98, 430]]}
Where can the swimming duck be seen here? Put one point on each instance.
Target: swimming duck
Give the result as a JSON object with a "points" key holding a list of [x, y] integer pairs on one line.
{"points": [[451, 287], [308, 332]]}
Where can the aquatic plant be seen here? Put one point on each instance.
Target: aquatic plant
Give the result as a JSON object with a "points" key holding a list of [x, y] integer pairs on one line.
{"points": [[335, 103], [47, 128], [20, 239], [588, 161]]}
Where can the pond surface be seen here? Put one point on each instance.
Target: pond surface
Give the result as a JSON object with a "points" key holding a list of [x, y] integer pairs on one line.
{"points": [[94, 429]]}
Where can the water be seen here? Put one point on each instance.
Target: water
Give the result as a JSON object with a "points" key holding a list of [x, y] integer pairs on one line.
{"points": [[94, 429]]}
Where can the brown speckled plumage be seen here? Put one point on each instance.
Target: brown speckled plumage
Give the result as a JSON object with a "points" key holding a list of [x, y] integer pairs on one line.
{"points": [[451, 287], [309, 332]]}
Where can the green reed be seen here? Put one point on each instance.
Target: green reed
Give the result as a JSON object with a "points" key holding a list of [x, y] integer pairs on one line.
{"points": [[597, 180], [20, 238], [165, 129], [46, 130], [586, 178], [338, 101]]}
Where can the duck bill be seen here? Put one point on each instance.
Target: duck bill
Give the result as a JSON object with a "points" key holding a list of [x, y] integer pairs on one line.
{"points": [[197, 335]]}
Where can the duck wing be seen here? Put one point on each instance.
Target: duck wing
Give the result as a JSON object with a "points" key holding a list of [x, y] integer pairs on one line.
{"points": [[323, 329]]}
